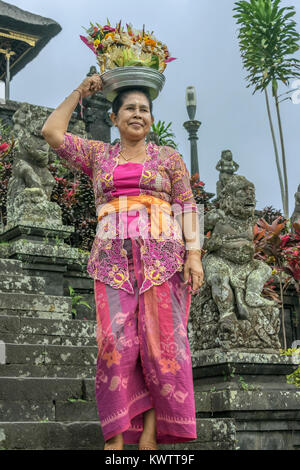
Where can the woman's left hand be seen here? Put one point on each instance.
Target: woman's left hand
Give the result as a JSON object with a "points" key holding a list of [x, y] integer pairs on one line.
{"points": [[193, 268]]}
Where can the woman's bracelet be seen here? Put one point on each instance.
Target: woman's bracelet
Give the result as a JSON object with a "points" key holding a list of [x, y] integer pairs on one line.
{"points": [[194, 251], [79, 91], [80, 99]]}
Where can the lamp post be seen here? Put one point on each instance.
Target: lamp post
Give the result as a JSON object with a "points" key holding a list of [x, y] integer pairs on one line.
{"points": [[192, 127]]}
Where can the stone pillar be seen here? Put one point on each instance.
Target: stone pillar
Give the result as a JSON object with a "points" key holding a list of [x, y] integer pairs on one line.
{"points": [[192, 128]]}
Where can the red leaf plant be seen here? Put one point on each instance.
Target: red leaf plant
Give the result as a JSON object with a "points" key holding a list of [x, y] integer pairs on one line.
{"points": [[279, 247]]}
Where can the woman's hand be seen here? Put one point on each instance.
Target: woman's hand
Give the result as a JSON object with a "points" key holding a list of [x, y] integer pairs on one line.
{"points": [[193, 268], [90, 85], [57, 123]]}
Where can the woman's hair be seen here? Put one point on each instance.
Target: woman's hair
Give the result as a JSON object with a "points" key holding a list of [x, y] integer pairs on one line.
{"points": [[119, 100]]}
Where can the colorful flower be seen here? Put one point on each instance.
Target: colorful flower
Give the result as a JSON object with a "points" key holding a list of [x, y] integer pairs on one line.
{"points": [[284, 240], [139, 47], [4, 147], [108, 28], [95, 32]]}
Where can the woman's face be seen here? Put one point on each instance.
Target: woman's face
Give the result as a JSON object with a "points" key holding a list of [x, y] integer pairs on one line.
{"points": [[134, 118]]}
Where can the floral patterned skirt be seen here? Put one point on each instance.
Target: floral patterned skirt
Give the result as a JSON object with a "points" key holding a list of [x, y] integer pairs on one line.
{"points": [[144, 357]]}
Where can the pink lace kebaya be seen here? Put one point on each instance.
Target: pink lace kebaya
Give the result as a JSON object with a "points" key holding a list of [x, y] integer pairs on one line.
{"points": [[163, 175]]}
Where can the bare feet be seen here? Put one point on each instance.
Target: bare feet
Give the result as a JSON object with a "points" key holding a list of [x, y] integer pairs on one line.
{"points": [[147, 442], [148, 437], [115, 443]]}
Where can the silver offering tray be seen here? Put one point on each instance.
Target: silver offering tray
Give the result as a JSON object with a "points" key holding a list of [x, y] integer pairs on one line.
{"points": [[129, 77]]}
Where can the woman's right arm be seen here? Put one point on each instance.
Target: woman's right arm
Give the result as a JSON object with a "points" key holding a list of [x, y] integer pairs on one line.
{"points": [[57, 124]]}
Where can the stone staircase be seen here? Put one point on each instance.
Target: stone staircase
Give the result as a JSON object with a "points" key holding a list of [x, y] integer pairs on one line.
{"points": [[47, 374]]}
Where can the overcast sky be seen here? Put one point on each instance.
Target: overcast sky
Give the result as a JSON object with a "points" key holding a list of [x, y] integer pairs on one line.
{"points": [[202, 34]]}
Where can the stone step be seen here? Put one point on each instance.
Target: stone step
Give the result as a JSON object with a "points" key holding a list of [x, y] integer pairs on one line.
{"points": [[69, 410], [43, 370], [212, 434], [43, 339], [44, 390], [49, 355], [33, 305], [25, 330], [54, 315], [51, 436], [11, 266], [22, 284]]}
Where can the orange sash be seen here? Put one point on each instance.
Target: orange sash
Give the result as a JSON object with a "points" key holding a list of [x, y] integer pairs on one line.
{"points": [[159, 211]]}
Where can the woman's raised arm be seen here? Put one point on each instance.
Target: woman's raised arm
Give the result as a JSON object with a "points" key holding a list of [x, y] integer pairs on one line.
{"points": [[57, 124]]}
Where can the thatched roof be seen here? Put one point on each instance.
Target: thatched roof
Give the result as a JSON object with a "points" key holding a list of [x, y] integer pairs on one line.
{"points": [[25, 34]]}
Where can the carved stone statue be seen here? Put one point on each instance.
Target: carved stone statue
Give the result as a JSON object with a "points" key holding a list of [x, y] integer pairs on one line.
{"points": [[296, 214], [227, 167], [233, 312], [31, 184]]}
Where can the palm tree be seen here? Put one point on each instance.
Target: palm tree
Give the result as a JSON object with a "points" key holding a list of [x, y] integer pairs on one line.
{"points": [[164, 133], [267, 38]]}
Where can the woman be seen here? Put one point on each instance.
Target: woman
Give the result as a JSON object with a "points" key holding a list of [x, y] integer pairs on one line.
{"points": [[144, 383]]}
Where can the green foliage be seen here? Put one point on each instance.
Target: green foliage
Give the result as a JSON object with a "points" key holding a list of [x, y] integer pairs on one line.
{"points": [[289, 351], [294, 377], [5, 175], [75, 196], [244, 384], [5, 131], [76, 301], [267, 38], [164, 133], [75, 400]]}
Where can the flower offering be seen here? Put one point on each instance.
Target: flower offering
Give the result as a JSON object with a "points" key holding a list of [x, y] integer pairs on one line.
{"points": [[119, 47]]}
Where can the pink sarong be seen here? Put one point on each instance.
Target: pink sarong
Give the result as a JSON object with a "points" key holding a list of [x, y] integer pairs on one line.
{"points": [[144, 357]]}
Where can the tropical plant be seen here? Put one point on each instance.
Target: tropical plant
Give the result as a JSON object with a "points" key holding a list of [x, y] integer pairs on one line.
{"points": [[76, 301], [294, 377], [267, 39], [5, 137], [164, 133], [199, 193], [269, 214], [281, 250], [74, 194], [7, 149], [5, 174]]}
